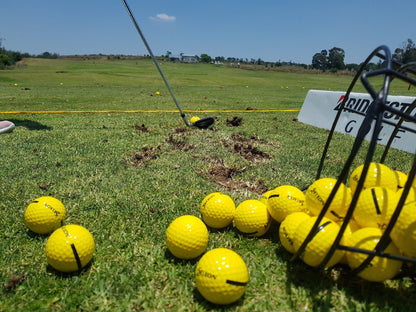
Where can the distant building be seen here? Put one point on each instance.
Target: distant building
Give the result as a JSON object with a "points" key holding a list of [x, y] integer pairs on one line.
{"points": [[183, 58], [189, 59]]}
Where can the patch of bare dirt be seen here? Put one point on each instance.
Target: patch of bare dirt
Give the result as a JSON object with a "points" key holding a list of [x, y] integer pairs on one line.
{"points": [[235, 122], [176, 141], [247, 151], [181, 130], [141, 128], [45, 187], [179, 143], [14, 282], [145, 156], [238, 144], [227, 177]]}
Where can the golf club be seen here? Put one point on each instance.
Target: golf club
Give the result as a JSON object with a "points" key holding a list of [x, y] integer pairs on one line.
{"points": [[202, 123]]}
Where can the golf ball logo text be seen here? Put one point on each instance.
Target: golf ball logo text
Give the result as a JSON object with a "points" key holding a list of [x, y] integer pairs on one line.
{"points": [[56, 212], [67, 234], [298, 200], [317, 196], [203, 273]]}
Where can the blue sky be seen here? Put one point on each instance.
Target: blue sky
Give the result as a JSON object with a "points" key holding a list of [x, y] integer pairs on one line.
{"points": [[272, 30]]}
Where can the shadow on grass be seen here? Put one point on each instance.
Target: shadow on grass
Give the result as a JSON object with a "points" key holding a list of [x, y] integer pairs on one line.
{"points": [[29, 124], [177, 261], [208, 306], [272, 233], [36, 236], [65, 275], [318, 285]]}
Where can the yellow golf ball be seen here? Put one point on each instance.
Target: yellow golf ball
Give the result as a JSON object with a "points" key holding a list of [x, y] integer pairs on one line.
{"points": [[411, 196], [209, 196], [375, 207], [187, 237], [284, 200], [44, 215], [252, 218], [157, 93], [404, 231], [414, 180], [318, 193], [264, 197], [377, 175], [401, 179], [194, 119], [287, 229], [70, 248], [217, 210], [351, 227], [321, 242], [380, 268], [221, 276]]}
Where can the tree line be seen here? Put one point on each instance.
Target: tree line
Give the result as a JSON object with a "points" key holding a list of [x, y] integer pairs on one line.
{"points": [[10, 58], [326, 60], [333, 59]]}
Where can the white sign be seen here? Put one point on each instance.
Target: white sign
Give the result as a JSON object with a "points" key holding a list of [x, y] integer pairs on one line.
{"points": [[320, 108]]}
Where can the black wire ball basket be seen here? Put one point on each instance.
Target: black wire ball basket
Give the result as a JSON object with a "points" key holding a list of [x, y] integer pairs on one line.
{"points": [[371, 126]]}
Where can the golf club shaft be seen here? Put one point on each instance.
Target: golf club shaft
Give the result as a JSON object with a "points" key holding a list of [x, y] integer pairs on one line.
{"points": [[156, 63]]}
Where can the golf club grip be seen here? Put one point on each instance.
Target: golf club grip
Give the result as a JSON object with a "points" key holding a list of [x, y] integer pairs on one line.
{"points": [[156, 63]]}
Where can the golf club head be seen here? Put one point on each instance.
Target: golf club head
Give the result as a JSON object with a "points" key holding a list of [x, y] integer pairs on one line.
{"points": [[204, 123]]}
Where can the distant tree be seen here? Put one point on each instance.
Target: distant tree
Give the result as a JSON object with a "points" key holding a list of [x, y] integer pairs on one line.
{"points": [[5, 61], [352, 67], [48, 55], [2, 49], [407, 53], [320, 60], [336, 58], [372, 66], [15, 56], [332, 59], [205, 58], [45, 55]]}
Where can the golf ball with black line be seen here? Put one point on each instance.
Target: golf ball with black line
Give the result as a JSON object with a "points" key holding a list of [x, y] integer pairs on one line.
{"points": [[44, 215], [221, 276], [70, 248]]}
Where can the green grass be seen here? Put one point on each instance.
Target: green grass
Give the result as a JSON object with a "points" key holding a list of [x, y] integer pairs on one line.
{"points": [[86, 161]]}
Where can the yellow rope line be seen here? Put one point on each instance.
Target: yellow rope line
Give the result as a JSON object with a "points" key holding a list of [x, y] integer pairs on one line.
{"points": [[154, 111]]}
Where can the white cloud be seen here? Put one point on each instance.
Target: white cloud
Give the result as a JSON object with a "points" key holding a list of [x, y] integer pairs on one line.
{"points": [[162, 17]]}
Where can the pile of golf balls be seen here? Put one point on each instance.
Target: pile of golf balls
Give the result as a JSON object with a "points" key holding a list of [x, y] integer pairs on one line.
{"points": [[297, 214], [222, 275], [70, 247]]}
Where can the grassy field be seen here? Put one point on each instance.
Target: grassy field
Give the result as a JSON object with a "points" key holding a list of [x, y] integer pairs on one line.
{"points": [[126, 176]]}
